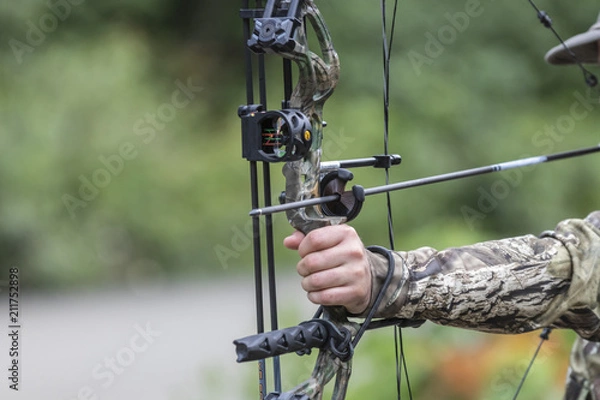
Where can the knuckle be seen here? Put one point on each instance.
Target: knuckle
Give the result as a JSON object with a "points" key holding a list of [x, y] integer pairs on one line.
{"points": [[305, 283], [318, 280], [347, 230], [301, 269], [314, 297], [314, 237], [311, 263], [327, 298], [347, 233], [356, 253]]}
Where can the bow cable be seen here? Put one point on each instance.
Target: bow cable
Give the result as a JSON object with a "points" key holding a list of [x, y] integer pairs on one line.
{"points": [[255, 200], [254, 193], [387, 43]]}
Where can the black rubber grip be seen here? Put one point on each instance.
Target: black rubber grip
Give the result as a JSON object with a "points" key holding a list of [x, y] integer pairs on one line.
{"points": [[307, 335]]}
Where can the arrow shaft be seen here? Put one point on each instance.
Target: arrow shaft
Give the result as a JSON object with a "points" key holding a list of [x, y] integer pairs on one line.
{"points": [[519, 163]]}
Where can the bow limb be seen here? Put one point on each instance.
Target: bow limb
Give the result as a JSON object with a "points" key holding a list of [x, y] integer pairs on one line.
{"points": [[318, 77], [327, 366]]}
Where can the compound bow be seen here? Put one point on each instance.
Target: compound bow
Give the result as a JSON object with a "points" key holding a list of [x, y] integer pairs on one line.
{"points": [[315, 193]]}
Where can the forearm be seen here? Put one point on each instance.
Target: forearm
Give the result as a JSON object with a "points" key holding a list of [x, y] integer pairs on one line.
{"points": [[507, 286]]}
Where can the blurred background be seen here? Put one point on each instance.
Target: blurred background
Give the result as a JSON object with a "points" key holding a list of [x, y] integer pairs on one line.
{"points": [[124, 197]]}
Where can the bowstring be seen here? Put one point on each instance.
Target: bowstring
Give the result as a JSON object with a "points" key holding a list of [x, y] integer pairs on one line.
{"points": [[544, 336], [590, 79], [387, 42]]}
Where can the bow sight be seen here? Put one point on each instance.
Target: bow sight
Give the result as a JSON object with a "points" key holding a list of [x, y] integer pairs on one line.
{"points": [[274, 136]]}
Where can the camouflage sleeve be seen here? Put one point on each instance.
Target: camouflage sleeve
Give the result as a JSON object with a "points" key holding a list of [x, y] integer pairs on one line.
{"points": [[583, 377], [512, 285]]}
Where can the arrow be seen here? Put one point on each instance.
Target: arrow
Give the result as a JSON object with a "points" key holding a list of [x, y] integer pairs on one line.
{"points": [[450, 176]]}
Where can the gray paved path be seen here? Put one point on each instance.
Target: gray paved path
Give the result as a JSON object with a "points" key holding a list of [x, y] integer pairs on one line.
{"points": [[153, 343]]}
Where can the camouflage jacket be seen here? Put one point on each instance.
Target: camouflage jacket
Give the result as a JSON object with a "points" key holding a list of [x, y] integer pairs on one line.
{"points": [[512, 285]]}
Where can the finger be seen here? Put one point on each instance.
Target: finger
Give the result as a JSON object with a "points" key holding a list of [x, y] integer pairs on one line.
{"points": [[340, 296], [344, 275], [341, 254], [293, 241], [328, 297], [319, 261], [323, 238], [322, 280]]}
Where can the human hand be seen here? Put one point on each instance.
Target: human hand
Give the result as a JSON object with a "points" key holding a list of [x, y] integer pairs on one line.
{"points": [[334, 267]]}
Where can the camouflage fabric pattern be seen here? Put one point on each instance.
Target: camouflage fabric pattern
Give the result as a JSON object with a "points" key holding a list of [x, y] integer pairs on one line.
{"points": [[510, 286]]}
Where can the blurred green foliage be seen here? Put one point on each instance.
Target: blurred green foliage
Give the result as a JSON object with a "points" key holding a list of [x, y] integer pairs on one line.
{"points": [[80, 80], [80, 93]]}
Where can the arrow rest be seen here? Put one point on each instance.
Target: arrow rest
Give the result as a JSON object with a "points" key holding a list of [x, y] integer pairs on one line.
{"points": [[349, 203]]}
